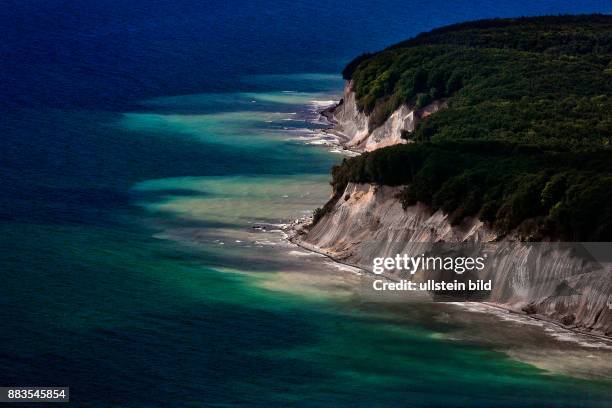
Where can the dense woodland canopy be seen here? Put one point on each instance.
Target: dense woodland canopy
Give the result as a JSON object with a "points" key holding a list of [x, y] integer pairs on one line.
{"points": [[524, 142]]}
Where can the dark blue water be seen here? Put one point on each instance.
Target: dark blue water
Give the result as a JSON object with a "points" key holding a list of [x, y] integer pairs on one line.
{"points": [[136, 137]]}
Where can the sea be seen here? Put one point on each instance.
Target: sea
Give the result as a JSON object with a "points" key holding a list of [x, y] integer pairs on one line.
{"points": [[151, 153]]}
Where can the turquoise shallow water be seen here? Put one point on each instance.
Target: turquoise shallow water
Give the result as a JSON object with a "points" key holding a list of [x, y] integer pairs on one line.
{"points": [[142, 141], [181, 288]]}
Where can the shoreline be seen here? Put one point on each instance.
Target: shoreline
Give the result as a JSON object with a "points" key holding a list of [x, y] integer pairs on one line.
{"points": [[340, 138], [293, 230], [314, 249]]}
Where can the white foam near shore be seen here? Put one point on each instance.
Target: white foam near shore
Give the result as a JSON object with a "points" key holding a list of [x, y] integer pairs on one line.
{"points": [[301, 253], [552, 329], [319, 142], [344, 152], [318, 138], [322, 104], [344, 267]]}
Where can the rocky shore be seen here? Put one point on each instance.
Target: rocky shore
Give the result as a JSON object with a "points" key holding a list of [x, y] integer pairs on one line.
{"points": [[569, 284]]}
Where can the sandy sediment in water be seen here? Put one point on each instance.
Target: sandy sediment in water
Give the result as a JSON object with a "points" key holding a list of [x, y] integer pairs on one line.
{"points": [[568, 296]]}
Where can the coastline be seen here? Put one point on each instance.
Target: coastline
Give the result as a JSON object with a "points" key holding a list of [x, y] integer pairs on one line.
{"points": [[542, 343], [292, 232]]}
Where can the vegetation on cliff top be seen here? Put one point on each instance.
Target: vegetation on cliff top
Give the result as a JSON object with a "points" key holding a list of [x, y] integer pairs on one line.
{"points": [[525, 140]]}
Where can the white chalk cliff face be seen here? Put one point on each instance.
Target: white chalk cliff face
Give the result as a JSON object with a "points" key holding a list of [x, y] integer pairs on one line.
{"points": [[548, 280], [353, 124]]}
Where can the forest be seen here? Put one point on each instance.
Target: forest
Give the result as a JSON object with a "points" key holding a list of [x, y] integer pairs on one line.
{"points": [[524, 142]]}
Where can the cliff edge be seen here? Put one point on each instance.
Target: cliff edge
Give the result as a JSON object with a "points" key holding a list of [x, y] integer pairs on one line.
{"points": [[356, 131], [491, 136], [560, 282]]}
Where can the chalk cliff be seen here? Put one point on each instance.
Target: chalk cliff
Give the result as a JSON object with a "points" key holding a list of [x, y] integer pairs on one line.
{"points": [[565, 283], [353, 125]]}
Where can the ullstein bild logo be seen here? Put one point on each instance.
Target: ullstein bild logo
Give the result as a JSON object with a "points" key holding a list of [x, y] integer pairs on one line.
{"points": [[412, 264]]}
